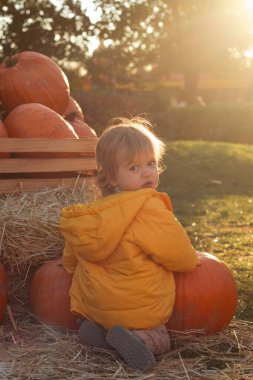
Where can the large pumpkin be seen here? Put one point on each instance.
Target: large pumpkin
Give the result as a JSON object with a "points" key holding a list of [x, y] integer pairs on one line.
{"points": [[37, 120], [73, 108], [49, 295], [30, 77], [206, 298], [3, 291]]}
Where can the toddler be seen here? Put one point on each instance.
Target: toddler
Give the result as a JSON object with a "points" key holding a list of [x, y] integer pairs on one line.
{"points": [[124, 247]]}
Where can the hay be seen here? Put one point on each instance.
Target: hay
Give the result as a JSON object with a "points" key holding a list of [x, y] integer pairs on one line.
{"points": [[34, 351], [29, 224]]}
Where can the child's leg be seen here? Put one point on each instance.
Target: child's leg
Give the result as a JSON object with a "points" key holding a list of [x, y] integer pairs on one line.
{"points": [[156, 339], [92, 334], [133, 350]]}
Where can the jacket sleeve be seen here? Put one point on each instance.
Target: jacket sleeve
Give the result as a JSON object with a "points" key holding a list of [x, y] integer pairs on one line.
{"points": [[159, 234]]}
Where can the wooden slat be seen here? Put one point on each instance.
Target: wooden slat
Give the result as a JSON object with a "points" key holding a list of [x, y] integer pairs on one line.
{"points": [[27, 185], [49, 172], [39, 165], [47, 145]]}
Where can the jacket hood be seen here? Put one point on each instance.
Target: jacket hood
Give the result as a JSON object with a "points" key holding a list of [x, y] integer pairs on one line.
{"points": [[95, 229]]}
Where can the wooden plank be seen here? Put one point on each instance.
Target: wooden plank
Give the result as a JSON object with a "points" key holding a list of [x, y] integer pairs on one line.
{"points": [[48, 145], [29, 185], [29, 165]]}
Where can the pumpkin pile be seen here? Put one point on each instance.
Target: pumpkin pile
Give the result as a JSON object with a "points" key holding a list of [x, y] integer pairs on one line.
{"points": [[36, 100]]}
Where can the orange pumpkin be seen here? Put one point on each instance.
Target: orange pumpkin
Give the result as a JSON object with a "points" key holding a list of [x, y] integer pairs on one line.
{"points": [[80, 127], [3, 134], [37, 120], [30, 77], [206, 298], [82, 130], [3, 291], [73, 108], [49, 295]]}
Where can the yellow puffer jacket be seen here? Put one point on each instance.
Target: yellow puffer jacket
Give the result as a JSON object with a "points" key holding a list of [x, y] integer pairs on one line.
{"points": [[122, 250]]}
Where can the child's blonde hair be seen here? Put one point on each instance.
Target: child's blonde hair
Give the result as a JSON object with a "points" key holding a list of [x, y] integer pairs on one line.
{"points": [[124, 139]]}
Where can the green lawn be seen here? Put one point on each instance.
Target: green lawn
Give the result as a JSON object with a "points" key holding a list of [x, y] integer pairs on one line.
{"points": [[211, 188]]}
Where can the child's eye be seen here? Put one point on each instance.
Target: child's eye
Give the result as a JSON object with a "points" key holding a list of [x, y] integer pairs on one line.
{"points": [[134, 168], [152, 163]]}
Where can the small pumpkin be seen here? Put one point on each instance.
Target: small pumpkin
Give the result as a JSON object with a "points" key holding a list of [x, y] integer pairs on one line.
{"points": [[83, 130], [206, 298], [73, 108], [3, 291], [49, 295], [80, 127], [31, 77]]}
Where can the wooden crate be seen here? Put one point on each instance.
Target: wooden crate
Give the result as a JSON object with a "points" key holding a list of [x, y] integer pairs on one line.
{"points": [[34, 173]]}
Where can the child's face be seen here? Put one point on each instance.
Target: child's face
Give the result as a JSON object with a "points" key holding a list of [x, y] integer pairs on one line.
{"points": [[140, 173]]}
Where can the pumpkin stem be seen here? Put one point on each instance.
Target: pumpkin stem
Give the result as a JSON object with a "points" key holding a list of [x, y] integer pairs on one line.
{"points": [[10, 61]]}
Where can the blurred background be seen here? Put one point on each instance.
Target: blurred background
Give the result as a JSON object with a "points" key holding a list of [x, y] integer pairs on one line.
{"points": [[186, 65]]}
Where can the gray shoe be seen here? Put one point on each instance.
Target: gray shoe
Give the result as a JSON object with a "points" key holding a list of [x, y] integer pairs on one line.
{"points": [[134, 352], [93, 335]]}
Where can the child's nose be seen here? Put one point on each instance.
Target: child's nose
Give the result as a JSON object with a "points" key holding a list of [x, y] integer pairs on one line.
{"points": [[145, 172]]}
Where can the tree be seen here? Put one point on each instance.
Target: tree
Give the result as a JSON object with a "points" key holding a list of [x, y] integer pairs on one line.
{"points": [[58, 32], [107, 67], [188, 36]]}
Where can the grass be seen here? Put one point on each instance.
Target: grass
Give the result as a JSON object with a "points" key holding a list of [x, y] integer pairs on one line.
{"points": [[211, 188]]}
